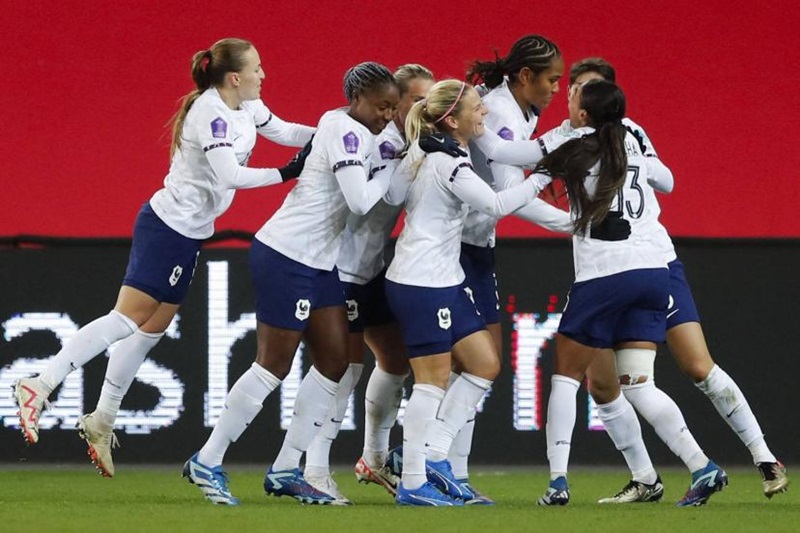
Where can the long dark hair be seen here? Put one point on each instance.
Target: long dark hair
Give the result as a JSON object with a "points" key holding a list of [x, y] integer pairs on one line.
{"points": [[571, 162]]}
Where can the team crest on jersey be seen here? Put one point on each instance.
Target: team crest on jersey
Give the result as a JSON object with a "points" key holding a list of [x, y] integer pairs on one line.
{"points": [[219, 128], [176, 275], [352, 310], [506, 133], [303, 309], [350, 141], [387, 150], [444, 318]]}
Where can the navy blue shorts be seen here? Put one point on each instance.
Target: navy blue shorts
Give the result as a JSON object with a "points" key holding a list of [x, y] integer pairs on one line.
{"points": [[287, 291], [478, 265], [629, 306], [367, 305], [682, 308], [162, 261], [432, 319]]}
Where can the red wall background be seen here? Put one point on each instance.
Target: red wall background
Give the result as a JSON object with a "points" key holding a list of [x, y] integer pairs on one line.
{"points": [[88, 88]]}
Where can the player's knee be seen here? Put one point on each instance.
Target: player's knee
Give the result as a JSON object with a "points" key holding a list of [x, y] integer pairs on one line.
{"points": [[635, 367]]}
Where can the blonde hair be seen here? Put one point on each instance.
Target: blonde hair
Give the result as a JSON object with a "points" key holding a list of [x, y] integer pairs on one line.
{"points": [[209, 68], [426, 116], [409, 72]]}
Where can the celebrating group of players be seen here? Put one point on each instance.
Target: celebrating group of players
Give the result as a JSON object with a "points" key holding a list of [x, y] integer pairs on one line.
{"points": [[456, 156]]}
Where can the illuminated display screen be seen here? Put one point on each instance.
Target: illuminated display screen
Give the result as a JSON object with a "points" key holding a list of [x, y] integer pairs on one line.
{"points": [[180, 390]]}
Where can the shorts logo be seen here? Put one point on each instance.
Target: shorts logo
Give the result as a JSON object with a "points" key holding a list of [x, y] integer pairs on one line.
{"points": [[352, 310], [671, 303], [303, 309], [219, 128], [176, 275], [444, 318], [350, 142]]}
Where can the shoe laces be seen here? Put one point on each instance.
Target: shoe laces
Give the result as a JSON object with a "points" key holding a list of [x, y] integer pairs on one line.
{"points": [[632, 486]]}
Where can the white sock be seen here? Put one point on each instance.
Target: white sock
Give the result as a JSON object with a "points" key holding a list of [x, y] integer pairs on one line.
{"points": [[420, 409], [459, 401], [732, 406], [91, 340], [561, 411], [314, 399], [665, 416], [242, 404], [318, 454], [125, 360], [622, 425], [381, 403], [461, 448]]}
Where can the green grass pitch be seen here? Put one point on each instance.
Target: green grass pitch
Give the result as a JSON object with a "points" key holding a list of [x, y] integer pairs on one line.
{"points": [[73, 498]]}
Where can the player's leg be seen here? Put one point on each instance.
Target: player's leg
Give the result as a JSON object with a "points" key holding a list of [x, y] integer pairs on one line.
{"points": [[160, 268], [622, 425], [635, 365], [481, 282], [688, 346], [572, 360], [317, 466], [133, 308], [426, 319], [382, 402], [327, 340], [96, 428]]}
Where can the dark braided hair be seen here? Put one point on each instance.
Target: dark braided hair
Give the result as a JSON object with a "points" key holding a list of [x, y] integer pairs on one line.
{"points": [[571, 162], [532, 51], [365, 77]]}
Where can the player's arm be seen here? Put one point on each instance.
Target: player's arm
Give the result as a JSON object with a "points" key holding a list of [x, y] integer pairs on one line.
{"points": [[471, 189], [360, 192], [537, 211], [277, 130], [659, 176]]}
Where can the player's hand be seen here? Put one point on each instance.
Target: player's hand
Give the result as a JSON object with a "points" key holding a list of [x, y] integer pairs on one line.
{"points": [[441, 142], [295, 166], [554, 138], [639, 136], [612, 228]]}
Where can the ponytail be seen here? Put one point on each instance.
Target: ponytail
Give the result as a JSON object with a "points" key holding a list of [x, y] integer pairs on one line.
{"points": [[209, 68], [572, 162]]}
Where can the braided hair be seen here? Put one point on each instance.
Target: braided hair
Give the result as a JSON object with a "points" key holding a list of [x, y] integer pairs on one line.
{"points": [[532, 51], [365, 77]]}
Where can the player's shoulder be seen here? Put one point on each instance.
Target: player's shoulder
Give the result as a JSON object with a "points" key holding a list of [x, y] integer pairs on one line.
{"points": [[256, 107], [390, 142], [448, 167]]}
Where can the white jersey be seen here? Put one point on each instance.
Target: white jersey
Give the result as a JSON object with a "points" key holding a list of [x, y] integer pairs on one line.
{"points": [[365, 237], [645, 247], [508, 121], [216, 143], [308, 226], [664, 241], [428, 249]]}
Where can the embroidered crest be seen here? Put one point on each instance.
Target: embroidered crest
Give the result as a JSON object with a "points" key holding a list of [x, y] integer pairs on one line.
{"points": [[387, 150], [219, 128], [303, 309], [506, 134], [350, 141], [444, 318], [352, 310]]}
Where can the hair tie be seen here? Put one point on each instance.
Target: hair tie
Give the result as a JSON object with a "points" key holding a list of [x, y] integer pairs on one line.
{"points": [[206, 60], [450, 110]]}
